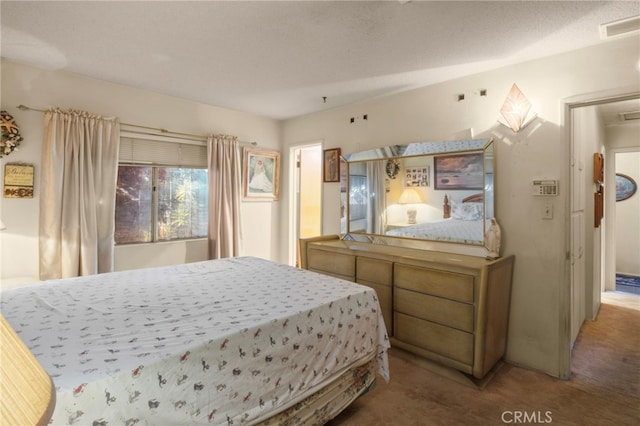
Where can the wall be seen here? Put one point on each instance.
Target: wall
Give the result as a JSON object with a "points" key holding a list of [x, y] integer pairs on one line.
{"points": [[628, 218], [539, 319], [41, 88], [540, 315]]}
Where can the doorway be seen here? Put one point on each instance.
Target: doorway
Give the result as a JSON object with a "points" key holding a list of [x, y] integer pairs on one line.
{"points": [[593, 249], [306, 203], [625, 209]]}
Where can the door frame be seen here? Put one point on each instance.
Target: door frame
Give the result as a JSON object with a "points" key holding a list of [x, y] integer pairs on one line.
{"points": [[565, 294]]}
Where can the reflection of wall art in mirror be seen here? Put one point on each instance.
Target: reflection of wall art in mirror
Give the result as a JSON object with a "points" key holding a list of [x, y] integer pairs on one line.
{"points": [[625, 187], [416, 176], [459, 171], [331, 165], [369, 217], [393, 167], [260, 174]]}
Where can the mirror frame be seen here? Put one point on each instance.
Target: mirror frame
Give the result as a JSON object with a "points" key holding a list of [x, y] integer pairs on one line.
{"points": [[394, 154]]}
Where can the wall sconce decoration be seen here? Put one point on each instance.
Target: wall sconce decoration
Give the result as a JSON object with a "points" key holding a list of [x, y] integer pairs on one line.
{"points": [[10, 134], [410, 196], [516, 110]]}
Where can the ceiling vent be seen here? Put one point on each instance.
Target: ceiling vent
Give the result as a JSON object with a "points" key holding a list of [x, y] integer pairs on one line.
{"points": [[628, 116], [620, 28]]}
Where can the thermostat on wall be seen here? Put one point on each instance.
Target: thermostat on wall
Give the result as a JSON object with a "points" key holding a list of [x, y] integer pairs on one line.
{"points": [[545, 187]]}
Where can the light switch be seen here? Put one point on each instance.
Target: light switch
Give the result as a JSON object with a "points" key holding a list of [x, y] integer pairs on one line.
{"points": [[547, 211]]}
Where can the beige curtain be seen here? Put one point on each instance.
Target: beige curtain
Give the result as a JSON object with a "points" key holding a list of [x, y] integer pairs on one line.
{"points": [[377, 194], [225, 192], [77, 193]]}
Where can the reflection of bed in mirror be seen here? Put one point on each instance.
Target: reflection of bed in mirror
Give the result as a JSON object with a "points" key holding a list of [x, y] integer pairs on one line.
{"points": [[373, 210], [462, 223]]}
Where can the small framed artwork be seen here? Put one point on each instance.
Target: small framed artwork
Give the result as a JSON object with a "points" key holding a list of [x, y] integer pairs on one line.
{"points": [[18, 181], [416, 176], [331, 165], [260, 174], [625, 187], [459, 171]]}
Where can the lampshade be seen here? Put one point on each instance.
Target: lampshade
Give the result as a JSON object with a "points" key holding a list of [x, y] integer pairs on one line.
{"points": [[28, 394], [516, 110], [410, 196], [2, 225]]}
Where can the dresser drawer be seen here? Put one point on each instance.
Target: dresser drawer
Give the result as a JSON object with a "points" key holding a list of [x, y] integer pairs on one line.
{"points": [[385, 300], [442, 340], [336, 264], [450, 285], [374, 270], [443, 311]]}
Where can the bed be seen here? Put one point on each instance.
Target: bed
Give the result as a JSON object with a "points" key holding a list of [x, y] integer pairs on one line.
{"points": [[450, 230], [236, 341], [462, 223]]}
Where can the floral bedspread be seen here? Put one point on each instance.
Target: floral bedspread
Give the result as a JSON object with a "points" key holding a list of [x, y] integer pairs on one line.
{"points": [[229, 341]]}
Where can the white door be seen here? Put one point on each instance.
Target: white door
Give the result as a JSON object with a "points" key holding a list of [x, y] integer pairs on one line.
{"points": [[578, 186]]}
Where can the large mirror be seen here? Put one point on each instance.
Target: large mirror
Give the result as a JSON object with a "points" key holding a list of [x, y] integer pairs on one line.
{"points": [[436, 191]]}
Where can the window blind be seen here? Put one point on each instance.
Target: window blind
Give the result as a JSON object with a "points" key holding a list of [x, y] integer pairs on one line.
{"points": [[147, 151]]}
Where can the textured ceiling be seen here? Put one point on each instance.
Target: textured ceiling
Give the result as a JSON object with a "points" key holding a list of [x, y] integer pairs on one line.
{"points": [[279, 59]]}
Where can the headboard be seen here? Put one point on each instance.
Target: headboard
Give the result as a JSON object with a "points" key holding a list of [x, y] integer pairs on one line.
{"points": [[446, 207]]}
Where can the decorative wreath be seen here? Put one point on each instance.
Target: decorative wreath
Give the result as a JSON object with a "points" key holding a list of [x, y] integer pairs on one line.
{"points": [[393, 167], [10, 134]]}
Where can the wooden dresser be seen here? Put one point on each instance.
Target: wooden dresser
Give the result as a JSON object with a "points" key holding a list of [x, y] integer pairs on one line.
{"points": [[448, 308]]}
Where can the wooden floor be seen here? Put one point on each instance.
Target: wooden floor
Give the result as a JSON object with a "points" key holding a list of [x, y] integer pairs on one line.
{"points": [[604, 388]]}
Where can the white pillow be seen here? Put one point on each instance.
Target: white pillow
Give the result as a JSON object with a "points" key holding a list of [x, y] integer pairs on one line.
{"points": [[466, 211]]}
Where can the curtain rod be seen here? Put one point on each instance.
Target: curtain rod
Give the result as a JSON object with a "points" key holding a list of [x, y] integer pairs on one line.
{"points": [[164, 132]]}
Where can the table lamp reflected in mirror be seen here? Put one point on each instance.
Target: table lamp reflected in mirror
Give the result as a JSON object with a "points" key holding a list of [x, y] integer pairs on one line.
{"points": [[411, 197]]}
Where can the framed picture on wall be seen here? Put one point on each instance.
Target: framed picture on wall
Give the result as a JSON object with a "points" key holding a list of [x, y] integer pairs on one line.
{"points": [[625, 187], [331, 165], [459, 171], [18, 181], [260, 174]]}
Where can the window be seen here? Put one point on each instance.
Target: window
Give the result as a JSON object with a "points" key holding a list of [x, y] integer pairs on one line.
{"points": [[160, 203], [357, 197], [358, 191]]}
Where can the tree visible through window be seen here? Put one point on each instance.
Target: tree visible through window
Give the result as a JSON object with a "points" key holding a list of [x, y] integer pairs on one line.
{"points": [[160, 203]]}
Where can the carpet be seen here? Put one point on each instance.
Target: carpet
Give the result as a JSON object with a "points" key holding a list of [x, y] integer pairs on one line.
{"points": [[604, 388], [628, 283]]}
